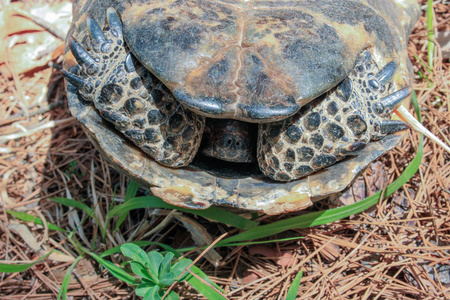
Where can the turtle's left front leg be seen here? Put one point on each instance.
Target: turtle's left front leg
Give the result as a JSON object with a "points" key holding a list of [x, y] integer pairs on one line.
{"points": [[132, 99]]}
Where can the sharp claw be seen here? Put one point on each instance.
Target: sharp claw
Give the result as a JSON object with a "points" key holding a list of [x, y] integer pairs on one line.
{"points": [[384, 75], [95, 31], [78, 82], [129, 66], [387, 105], [81, 55], [392, 126], [113, 20]]}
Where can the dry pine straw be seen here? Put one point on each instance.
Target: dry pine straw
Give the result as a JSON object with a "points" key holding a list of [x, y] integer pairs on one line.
{"points": [[398, 249]]}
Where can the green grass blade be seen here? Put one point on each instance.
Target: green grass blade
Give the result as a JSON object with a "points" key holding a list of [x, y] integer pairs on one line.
{"points": [[130, 194], [131, 190], [246, 243], [74, 204], [83, 207], [430, 33], [204, 289], [293, 289], [65, 284], [213, 213], [15, 268], [30, 218], [116, 271]]}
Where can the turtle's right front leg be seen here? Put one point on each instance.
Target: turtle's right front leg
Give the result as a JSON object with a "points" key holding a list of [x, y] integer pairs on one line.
{"points": [[142, 108]]}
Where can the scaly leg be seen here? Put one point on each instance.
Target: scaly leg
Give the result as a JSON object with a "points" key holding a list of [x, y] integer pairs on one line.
{"points": [[132, 99]]}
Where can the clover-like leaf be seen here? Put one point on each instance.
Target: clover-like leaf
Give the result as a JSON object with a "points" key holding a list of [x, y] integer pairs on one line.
{"points": [[165, 264], [135, 253], [168, 278], [142, 271], [152, 294], [155, 259], [179, 267], [142, 289]]}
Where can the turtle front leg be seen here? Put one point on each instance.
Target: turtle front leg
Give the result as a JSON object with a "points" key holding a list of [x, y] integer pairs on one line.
{"points": [[132, 99], [334, 126]]}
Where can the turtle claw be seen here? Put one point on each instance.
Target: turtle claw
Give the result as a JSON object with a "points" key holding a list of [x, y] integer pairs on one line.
{"points": [[78, 82], [389, 103], [383, 76], [129, 65], [392, 126], [95, 31], [83, 58], [114, 21]]}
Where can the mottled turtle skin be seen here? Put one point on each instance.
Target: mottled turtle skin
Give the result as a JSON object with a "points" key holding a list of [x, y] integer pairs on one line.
{"points": [[237, 102]]}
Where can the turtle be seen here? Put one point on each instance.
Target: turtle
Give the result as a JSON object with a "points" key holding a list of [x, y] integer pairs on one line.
{"points": [[259, 105]]}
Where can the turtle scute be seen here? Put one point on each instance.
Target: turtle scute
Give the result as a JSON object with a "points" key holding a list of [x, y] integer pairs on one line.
{"points": [[334, 126], [131, 98]]}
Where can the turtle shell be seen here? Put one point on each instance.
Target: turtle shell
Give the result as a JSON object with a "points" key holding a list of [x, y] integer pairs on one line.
{"points": [[254, 61], [257, 61]]}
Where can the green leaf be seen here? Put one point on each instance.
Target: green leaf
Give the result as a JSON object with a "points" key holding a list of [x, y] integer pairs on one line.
{"points": [[75, 204], [181, 266], [246, 243], [155, 259], [142, 289], [212, 213], [172, 296], [30, 218], [116, 271], [141, 271], [165, 264], [130, 194], [206, 290], [65, 284], [168, 278], [293, 289], [135, 253], [152, 294], [15, 268], [83, 207]]}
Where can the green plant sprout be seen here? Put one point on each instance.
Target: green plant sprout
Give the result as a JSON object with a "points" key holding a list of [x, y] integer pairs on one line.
{"points": [[156, 271]]}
